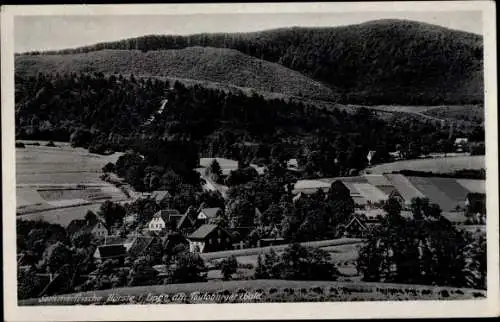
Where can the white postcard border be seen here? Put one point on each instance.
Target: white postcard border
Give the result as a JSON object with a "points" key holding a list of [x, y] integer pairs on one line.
{"points": [[467, 308]]}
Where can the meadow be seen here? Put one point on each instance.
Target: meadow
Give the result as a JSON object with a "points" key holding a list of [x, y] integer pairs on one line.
{"points": [[437, 165], [61, 183]]}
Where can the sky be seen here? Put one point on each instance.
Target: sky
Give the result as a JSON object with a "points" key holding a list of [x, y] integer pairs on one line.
{"points": [[59, 32]]}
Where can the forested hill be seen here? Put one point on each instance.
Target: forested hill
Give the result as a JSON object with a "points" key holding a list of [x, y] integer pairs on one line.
{"points": [[220, 65], [378, 62]]}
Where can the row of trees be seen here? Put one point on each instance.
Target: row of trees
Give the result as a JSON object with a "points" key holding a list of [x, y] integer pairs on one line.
{"points": [[424, 249]]}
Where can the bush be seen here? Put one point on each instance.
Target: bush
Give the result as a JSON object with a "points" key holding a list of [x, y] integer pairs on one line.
{"points": [[444, 293], [20, 145], [109, 167]]}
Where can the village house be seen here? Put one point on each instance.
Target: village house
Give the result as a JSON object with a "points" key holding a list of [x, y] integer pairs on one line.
{"points": [[207, 215], [79, 226], [460, 144], [104, 252], [187, 223], [356, 228], [163, 220], [209, 238]]}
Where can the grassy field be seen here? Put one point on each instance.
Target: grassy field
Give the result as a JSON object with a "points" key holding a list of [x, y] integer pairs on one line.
{"points": [[59, 184], [278, 248], [438, 165], [267, 291], [343, 255], [471, 113]]}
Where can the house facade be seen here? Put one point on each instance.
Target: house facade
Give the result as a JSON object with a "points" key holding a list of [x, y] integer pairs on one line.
{"points": [[99, 230], [164, 219], [209, 238]]}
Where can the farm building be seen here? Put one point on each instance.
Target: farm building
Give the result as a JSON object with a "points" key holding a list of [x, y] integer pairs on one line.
{"points": [[164, 219], [209, 238]]}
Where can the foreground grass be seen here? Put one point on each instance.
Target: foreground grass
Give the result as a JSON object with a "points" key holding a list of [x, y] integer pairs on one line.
{"points": [[258, 291]]}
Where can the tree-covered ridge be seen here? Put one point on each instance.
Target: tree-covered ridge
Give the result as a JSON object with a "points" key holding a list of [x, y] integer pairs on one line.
{"points": [[219, 65], [120, 113], [379, 62]]}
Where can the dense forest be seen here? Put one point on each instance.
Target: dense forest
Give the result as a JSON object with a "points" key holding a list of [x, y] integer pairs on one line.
{"points": [[378, 62], [220, 66], [119, 113]]}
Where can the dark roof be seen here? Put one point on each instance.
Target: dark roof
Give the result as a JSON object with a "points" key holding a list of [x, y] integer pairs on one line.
{"points": [[203, 231], [139, 245], [168, 214], [210, 212], [186, 219], [75, 226], [114, 240], [159, 195], [108, 251], [172, 240]]}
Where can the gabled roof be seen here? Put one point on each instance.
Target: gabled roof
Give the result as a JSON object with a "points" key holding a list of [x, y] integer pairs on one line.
{"points": [[168, 214], [356, 220], [203, 231], [139, 245], [81, 226], [110, 251], [210, 212], [159, 195], [186, 219]]}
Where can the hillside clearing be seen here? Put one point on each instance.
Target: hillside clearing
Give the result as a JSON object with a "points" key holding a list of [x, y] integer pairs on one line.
{"points": [[437, 165]]}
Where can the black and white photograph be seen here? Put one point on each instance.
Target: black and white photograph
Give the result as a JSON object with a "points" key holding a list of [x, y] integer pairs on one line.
{"points": [[236, 155]]}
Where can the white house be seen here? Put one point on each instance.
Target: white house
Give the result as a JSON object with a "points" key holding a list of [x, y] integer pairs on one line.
{"points": [[99, 230], [163, 219]]}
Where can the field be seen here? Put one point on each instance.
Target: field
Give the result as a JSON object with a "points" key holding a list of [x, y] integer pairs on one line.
{"points": [[59, 184], [344, 253], [437, 165], [471, 113]]}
